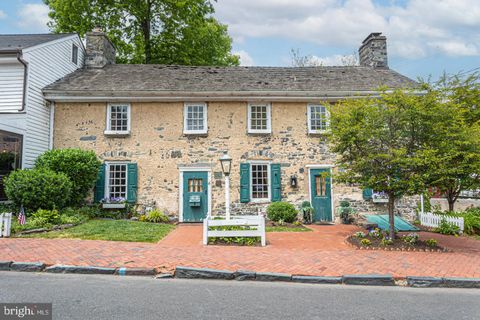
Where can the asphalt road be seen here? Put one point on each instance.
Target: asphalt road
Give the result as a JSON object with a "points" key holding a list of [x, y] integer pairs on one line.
{"points": [[112, 297]]}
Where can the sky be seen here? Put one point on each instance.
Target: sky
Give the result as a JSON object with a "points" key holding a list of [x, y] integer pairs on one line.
{"points": [[424, 37]]}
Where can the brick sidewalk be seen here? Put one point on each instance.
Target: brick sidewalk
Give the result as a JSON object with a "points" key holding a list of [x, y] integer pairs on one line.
{"points": [[321, 252]]}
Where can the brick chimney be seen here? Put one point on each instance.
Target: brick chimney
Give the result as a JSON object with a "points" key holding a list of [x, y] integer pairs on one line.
{"points": [[100, 50], [373, 51]]}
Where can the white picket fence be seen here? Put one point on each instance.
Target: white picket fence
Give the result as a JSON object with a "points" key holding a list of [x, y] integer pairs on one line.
{"points": [[5, 224], [256, 226], [429, 219]]}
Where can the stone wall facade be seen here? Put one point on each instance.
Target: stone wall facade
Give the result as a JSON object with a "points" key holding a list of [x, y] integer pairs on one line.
{"points": [[159, 146]]}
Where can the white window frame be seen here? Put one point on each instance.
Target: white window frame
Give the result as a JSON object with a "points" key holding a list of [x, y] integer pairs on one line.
{"points": [[109, 130], [107, 177], [269, 117], [205, 118], [269, 181], [75, 47], [309, 118]]}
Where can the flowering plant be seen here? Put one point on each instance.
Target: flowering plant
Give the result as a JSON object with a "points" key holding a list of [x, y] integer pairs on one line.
{"points": [[113, 200], [410, 238]]}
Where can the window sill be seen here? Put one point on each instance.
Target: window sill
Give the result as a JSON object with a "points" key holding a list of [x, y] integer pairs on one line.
{"points": [[113, 205], [195, 133], [259, 133], [260, 201], [119, 134], [318, 132]]}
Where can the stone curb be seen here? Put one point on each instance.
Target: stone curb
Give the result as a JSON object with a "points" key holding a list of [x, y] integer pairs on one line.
{"points": [[5, 265], [241, 275], [317, 279], [269, 276], [27, 266], [449, 282], [200, 273], [79, 269], [369, 279], [135, 272]]}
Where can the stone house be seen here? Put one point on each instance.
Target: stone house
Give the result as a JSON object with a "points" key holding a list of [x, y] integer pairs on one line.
{"points": [[160, 130]]}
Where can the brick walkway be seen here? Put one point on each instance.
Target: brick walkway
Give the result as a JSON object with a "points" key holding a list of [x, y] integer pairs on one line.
{"points": [[321, 252]]}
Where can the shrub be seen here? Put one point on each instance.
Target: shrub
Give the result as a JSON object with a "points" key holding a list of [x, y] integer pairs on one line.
{"points": [[386, 242], [432, 243], [38, 188], [156, 217], [448, 228], [282, 211], [359, 234], [49, 216], [79, 165], [410, 238], [471, 219], [365, 242]]}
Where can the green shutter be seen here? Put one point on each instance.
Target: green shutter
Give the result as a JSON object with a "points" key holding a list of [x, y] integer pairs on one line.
{"points": [[132, 182], [276, 182], [367, 194], [99, 193], [244, 182]]}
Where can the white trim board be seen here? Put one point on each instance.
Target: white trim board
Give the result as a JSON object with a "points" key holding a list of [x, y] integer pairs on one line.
{"points": [[321, 166], [181, 170]]}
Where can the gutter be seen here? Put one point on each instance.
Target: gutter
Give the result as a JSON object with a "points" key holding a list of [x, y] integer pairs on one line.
{"points": [[173, 96]]}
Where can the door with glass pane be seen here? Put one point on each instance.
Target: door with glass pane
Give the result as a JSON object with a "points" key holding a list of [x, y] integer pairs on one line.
{"points": [[321, 195], [195, 196]]}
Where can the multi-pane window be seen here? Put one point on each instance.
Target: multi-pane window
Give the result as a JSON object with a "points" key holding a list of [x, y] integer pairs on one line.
{"points": [[320, 186], [116, 181], [118, 118], [195, 185], [259, 118], [75, 53], [10, 157], [260, 181], [317, 118], [195, 118]]}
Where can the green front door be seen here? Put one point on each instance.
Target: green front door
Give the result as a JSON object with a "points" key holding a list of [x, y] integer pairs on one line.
{"points": [[321, 195], [195, 196]]}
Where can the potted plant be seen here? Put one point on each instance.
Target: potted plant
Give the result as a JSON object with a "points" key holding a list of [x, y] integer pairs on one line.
{"points": [[114, 203], [345, 211], [307, 211]]}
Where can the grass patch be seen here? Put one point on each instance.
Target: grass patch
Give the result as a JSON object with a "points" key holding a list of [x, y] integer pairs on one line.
{"points": [[287, 229], [112, 230]]}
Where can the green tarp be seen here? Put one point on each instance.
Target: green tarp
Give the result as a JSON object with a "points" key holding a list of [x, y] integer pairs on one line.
{"points": [[383, 223]]}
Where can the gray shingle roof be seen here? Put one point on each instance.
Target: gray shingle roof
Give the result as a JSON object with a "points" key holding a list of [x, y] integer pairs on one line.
{"points": [[11, 42], [115, 80]]}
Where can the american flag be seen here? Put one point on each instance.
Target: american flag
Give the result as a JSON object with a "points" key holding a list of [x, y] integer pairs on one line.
{"points": [[21, 216]]}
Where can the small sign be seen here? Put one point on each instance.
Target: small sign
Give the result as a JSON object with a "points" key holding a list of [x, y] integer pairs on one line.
{"points": [[26, 311]]}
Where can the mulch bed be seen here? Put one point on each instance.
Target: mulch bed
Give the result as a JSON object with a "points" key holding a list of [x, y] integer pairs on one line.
{"points": [[398, 245]]}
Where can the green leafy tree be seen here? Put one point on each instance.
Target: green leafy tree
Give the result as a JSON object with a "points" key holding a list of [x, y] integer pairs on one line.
{"points": [[378, 142], [150, 31], [455, 137]]}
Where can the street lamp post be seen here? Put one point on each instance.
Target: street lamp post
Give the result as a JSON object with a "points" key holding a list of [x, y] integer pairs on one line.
{"points": [[226, 163]]}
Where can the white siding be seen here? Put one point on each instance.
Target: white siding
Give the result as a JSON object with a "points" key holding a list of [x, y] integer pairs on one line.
{"points": [[11, 84], [46, 64]]}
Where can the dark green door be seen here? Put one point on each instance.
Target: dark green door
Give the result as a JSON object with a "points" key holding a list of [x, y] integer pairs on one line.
{"points": [[195, 196], [321, 195]]}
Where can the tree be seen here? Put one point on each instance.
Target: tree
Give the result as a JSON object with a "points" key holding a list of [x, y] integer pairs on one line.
{"points": [[455, 138], [150, 31], [378, 142]]}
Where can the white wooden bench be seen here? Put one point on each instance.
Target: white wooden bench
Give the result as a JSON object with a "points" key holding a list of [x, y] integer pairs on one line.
{"points": [[5, 224], [256, 228]]}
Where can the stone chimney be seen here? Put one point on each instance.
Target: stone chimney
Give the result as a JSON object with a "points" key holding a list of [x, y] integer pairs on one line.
{"points": [[373, 51], [100, 50]]}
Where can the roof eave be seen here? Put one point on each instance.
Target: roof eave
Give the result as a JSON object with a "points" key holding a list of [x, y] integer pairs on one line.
{"points": [[109, 96]]}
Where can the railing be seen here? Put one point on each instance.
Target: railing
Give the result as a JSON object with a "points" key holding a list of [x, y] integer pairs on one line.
{"points": [[428, 219], [5, 224], [255, 224]]}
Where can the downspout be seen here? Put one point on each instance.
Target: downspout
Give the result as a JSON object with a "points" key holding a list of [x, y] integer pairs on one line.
{"points": [[52, 120], [25, 75]]}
